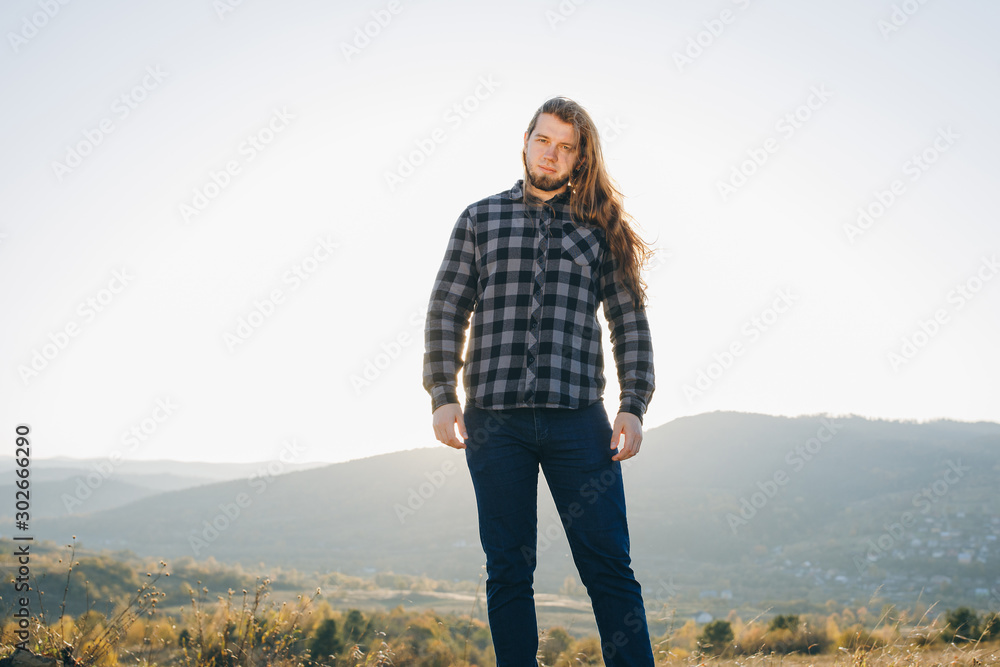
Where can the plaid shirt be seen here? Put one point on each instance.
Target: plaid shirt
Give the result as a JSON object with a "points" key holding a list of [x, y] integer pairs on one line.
{"points": [[532, 278]]}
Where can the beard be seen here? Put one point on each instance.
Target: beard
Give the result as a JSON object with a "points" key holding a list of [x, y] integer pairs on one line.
{"points": [[546, 182]]}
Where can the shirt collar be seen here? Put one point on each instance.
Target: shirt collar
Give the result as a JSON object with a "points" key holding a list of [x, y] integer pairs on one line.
{"points": [[518, 191]]}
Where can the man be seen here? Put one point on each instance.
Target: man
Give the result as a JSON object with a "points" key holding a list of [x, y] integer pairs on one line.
{"points": [[531, 265]]}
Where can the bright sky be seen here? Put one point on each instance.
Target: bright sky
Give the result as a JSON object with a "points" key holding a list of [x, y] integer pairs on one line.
{"points": [[179, 176]]}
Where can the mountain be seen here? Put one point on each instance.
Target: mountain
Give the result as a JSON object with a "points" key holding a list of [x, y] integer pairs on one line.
{"points": [[729, 507], [77, 492], [62, 467], [63, 486]]}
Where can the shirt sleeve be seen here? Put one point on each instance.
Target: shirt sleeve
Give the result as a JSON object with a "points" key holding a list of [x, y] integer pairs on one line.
{"points": [[451, 304], [630, 338]]}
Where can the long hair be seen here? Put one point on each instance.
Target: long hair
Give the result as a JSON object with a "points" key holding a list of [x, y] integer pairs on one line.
{"points": [[594, 196]]}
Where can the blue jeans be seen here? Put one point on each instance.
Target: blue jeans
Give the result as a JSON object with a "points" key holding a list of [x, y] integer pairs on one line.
{"points": [[504, 451]]}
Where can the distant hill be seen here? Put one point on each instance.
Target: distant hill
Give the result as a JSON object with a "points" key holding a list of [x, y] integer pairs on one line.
{"points": [[63, 486], [72, 494], [731, 508], [61, 467]]}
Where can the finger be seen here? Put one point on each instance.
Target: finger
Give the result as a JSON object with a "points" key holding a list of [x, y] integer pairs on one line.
{"points": [[616, 434], [452, 440], [460, 420], [622, 452], [631, 446], [442, 435]]}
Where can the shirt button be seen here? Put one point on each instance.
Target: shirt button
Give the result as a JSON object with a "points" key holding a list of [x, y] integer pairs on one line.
{"points": [[531, 359], [534, 323]]}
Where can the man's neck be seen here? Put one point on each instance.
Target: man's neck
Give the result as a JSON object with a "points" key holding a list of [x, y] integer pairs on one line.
{"points": [[543, 195]]}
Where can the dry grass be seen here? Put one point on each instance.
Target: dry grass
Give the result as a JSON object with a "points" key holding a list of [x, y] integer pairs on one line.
{"points": [[254, 631], [968, 655]]}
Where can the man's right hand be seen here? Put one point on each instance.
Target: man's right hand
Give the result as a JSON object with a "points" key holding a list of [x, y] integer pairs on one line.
{"points": [[445, 418]]}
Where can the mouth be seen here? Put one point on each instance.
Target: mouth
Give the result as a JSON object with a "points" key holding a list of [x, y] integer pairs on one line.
{"points": [[548, 170]]}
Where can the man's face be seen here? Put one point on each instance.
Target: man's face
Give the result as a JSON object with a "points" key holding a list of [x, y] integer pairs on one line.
{"points": [[551, 152]]}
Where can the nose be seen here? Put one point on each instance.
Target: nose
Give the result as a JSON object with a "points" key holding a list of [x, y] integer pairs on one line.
{"points": [[550, 153]]}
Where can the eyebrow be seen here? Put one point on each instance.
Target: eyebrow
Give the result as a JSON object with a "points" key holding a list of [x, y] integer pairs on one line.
{"points": [[564, 143]]}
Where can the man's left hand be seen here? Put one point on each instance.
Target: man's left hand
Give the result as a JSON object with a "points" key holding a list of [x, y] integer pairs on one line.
{"points": [[626, 424]]}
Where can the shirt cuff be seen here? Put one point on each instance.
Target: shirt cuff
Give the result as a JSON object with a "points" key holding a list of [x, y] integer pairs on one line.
{"points": [[443, 394], [634, 406]]}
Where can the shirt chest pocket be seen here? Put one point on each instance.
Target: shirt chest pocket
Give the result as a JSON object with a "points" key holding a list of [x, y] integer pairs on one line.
{"points": [[582, 247]]}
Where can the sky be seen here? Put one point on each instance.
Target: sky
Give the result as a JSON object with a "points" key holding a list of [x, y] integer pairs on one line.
{"points": [[220, 220]]}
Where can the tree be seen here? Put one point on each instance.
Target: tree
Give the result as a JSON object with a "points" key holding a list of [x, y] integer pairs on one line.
{"points": [[356, 627], [716, 636], [554, 643], [784, 622], [326, 643], [961, 625]]}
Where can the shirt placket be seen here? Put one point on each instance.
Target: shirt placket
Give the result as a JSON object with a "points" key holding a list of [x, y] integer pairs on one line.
{"points": [[537, 293]]}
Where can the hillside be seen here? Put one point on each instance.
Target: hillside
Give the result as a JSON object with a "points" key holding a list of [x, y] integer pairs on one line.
{"points": [[70, 493], [727, 508], [64, 486]]}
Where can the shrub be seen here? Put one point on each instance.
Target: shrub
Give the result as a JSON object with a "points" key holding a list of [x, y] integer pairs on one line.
{"points": [[325, 643], [784, 622], [961, 625], [716, 637]]}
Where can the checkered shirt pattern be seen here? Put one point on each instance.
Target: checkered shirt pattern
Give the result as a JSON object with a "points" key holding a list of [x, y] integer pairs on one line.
{"points": [[532, 278]]}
